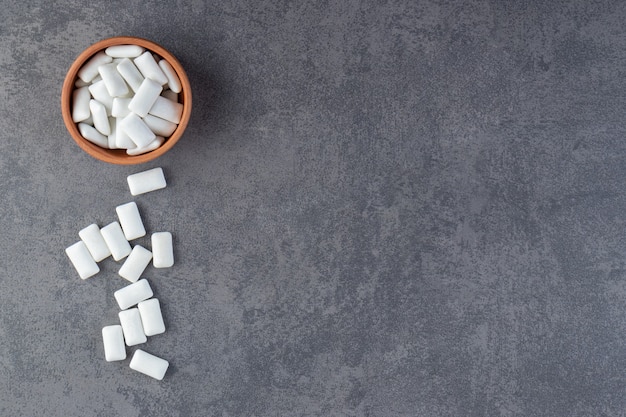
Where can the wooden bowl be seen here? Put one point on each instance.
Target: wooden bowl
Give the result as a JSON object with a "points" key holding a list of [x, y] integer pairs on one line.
{"points": [[119, 156]]}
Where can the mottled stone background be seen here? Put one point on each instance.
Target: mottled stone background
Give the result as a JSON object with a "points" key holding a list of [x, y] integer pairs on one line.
{"points": [[380, 208]]}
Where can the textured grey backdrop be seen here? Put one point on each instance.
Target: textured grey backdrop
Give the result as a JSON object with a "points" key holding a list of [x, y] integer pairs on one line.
{"points": [[394, 208]]}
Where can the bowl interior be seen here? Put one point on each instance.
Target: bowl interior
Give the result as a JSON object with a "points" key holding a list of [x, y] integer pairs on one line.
{"points": [[119, 156]]}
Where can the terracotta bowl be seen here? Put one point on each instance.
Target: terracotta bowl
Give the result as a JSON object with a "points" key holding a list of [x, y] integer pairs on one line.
{"points": [[119, 156]]}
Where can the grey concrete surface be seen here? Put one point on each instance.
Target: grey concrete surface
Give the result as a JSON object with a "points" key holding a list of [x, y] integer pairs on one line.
{"points": [[394, 208]]}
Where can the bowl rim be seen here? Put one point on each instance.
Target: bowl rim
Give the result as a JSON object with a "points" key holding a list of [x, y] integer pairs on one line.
{"points": [[119, 157]]}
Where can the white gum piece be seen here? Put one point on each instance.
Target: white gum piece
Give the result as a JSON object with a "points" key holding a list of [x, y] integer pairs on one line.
{"points": [[82, 260], [149, 68], [137, 130], [162, 250], [122, 140], [89, 70], [111, 139], [172, 78], [92, 135], [135, 264], [130, 220], [100, 119], [115, 240], [95, 242], [113, 81], [130, 73], [113, 135], [160, 127], [146, 181], [149, 364], [145, 97], [155, 144], [113, 340], [124, 51], [120, 107], [80, 104], [100, 93], [151, 317], [166, 109], [131, 327], [132, 294]]}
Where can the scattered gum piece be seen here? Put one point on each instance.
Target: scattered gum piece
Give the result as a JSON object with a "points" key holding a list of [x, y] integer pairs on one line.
{"points": [[115, 240], [130, 220], [135, 264], [151, 317], [95, 242], [82, 260], [162, 250], [149, 364], [133, 294], [146, 181], [113, 339], [131, 326]]}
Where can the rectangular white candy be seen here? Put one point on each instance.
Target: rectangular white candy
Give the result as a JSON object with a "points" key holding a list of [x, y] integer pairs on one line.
{"points": [[122, 140], [113, 134], [133, 294], [100, 119], [146, 181], [172, 78], [113, 338], [149, 364], [145, 97], [95, 242], [115, 240], [99, 92], [151, 317], [162, 250], [80, 104], [120, 107], [124, 51], [92, 135], [89, 71], [137, 130], [131, 326], [136, 263], [130, 73], [115, 84], [130, 220], [166, 109], [82, 260], [160, 127], [149, 68], [155, 144], [111, 139]]}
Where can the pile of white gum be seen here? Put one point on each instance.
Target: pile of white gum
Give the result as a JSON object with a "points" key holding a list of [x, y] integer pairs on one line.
{"points": [[127, 98], [140, 315]]}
